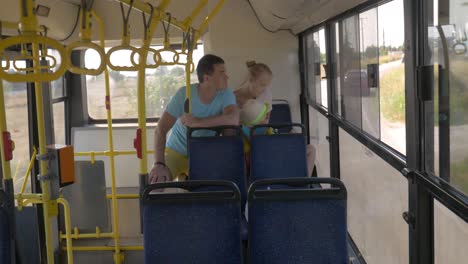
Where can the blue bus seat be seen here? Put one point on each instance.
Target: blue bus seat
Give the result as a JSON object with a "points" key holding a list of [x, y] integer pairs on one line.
{"points": [[281, 114], [192, 227], [218, 157], [5, 229], [27, 236], [297, 225], [278, 155]]}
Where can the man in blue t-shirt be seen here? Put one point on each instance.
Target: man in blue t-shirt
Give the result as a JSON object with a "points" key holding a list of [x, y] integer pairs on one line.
{"points": [[212, 104]]}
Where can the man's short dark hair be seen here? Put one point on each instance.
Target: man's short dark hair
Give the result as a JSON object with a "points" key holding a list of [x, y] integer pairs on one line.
{"points": [[206, 65]]}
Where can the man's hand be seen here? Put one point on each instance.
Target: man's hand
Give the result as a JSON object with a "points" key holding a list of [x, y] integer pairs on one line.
{"points": [[160, 173], [189, 120]]}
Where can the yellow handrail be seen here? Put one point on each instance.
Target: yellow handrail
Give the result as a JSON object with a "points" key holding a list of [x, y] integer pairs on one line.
{"points": [[118, 257], [9, 24], [208, 19], [34, 196], [141, 84], [6, 169], [125, 45], [108, 153], [16, 170], [76, 234], [28, 172], [37, 74], [125, 196], [105, 248], [89, 46], [37, 198], [29, 26], [45, 183], [159, 12], [66, 209], [188, 20]]}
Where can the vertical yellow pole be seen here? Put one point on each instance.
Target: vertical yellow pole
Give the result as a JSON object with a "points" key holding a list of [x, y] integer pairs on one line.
{"points": [[28, 27], [45, 184], [118, 257], [3, 127], [190, 52], [141, 88], [187, 77], [66, 210]]}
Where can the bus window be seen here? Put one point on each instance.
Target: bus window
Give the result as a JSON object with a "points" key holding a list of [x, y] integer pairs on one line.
{"points": [[59, 122], [370, 72], [161, 84], [368, 31], [16, 107], [57, 87], [392, 75], [318, 129], [447, 113], [350, 70], [316, 65]]}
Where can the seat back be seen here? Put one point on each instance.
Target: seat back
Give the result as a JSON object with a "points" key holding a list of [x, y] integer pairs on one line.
{"points": [[192, 227], [278, 155], [218, 158], [27, 236], [297, 225], [5, 229], [281, 114]]}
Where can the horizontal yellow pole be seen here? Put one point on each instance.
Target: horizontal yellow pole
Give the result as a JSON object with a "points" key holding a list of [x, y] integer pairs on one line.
{"points": [[9, 24], [108, 153], [124, 196], [15, 25], [74, 235], [31, 201], [105, 248], [34, 196]]}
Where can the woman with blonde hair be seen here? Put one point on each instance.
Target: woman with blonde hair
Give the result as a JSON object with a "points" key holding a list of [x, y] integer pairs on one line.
{"points": [[254, 98], [256, 87]]}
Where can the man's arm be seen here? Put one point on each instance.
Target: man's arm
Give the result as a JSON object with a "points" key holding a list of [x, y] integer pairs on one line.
{"points": [[160, 172], [229, 117], [165, 123]]}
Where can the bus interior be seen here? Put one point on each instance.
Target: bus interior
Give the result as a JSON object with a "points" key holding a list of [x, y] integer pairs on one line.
{"points": [[377, 88]]}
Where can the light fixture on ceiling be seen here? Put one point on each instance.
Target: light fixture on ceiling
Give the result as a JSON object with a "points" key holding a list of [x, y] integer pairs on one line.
{"points": [[42, 10]]}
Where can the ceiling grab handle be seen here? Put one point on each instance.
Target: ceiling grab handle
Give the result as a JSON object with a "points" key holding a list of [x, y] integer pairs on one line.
{"points": [[145, 48], [86, 44], [125, 42], [167, 45]]}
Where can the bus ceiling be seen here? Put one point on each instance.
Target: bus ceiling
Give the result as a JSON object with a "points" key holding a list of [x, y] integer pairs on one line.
{"points": [[67, 30], [298, 15], [274, 15]]}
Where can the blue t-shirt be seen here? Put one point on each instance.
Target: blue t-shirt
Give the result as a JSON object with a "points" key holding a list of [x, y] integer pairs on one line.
{"points": [[178, 139]]}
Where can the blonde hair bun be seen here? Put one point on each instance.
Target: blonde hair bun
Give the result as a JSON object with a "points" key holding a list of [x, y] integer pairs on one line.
{"points": [[250, 63]]}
